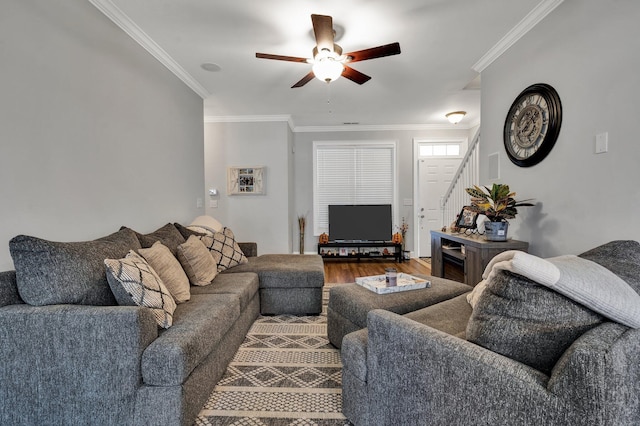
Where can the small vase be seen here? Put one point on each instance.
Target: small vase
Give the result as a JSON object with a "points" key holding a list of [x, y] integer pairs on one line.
{"points": [[302, 243], [496, 231]]}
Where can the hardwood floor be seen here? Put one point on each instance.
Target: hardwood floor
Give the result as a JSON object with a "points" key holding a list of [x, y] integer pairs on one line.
{"points": [[345, 271]]}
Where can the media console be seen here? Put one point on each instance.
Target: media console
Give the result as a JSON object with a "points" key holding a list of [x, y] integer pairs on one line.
{"points": [[360, 250], [464, 257]]}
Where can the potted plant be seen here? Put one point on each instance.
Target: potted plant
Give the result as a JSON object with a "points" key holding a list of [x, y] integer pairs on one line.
{"points": [[497, 204]]}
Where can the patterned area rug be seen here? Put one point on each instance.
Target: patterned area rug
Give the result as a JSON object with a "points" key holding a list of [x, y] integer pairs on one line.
{"points": [[285, 373]]}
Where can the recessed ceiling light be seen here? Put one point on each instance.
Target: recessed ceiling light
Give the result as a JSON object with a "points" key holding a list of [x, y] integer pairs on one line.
{"points": [[211, 67]]}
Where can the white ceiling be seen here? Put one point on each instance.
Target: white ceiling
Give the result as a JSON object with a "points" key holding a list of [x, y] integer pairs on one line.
{"points": [[444, 44]]}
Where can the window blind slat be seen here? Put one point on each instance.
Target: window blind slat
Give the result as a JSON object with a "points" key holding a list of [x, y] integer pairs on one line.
{"points": [[351, 174]]}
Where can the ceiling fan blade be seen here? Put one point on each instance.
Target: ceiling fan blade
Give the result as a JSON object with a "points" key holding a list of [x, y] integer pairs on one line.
{"points": [[374, 52], [307, 78], [355, 76], [282, 58], [323, 30]]}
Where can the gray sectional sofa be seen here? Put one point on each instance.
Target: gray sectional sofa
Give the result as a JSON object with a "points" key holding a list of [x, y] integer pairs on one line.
{"points": [[523, 354], [69, 354]]}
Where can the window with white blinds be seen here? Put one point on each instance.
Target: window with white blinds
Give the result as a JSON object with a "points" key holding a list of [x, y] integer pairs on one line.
{"points": [[348, 173]]}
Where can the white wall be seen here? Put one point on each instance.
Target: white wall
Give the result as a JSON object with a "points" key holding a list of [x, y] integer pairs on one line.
{"points": [[404, 138], [94, 132], [264, 219], [588, 50]]}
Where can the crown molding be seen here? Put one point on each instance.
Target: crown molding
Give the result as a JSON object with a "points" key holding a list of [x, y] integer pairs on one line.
{"points": [[249, 119], [377, 128], [340, 128], [532, 19], [125, 23]]}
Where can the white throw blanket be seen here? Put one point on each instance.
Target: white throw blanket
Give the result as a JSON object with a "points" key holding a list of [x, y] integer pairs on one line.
{"points": [[579, 279]]}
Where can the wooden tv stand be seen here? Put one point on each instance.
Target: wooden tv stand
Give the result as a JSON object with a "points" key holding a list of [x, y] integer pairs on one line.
{"points": [[447, 254], [360, 250]]}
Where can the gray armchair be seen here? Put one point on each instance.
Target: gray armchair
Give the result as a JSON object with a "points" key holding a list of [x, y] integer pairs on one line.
{"points": [[525, 355], [418, 375]]}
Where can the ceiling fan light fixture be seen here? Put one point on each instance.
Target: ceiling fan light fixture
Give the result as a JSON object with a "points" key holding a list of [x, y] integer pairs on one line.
{"points": [[456, 116], [327, 69]]}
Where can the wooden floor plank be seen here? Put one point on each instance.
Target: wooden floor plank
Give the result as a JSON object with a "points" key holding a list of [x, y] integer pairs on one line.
{"points": [[345, 271]]}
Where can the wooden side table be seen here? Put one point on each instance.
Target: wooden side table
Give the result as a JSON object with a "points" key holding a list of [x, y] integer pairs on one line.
{"points": [[470, 254]]}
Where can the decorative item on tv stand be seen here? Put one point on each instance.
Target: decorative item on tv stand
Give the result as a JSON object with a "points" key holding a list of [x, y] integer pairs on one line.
{"points": [[497, 204], [323, 238], [400, 237]]}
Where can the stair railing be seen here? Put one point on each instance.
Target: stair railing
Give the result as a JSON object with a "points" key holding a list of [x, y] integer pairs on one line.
{"points": [[467, 175]]}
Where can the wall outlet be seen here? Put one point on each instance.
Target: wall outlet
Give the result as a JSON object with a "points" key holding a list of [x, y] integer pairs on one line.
{"points": [[199, 203], [213, 204]]}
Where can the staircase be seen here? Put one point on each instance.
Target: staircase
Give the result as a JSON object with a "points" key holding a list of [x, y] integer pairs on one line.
{"points": [[467, 175]]}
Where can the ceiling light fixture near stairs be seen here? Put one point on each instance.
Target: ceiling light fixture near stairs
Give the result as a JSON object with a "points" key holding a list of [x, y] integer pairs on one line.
{"points": [[456, 116]]}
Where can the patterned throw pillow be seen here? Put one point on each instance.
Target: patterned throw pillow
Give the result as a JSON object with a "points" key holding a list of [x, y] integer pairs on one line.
{"points": [[200, 266], [142, 285], [224, 249], [169, 270]]}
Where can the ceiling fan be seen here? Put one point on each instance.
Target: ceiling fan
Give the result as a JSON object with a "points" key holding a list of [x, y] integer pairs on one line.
{"points": [[328, 61]]}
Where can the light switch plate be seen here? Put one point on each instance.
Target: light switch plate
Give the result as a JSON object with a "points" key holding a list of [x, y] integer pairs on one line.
{"points": [[602, 143]]}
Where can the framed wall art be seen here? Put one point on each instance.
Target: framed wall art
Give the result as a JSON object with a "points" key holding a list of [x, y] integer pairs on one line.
{"points": [[467, 219], [245, 180]]}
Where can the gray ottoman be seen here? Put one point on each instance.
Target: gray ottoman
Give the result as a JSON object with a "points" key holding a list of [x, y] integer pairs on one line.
{"points": [[289, 283], [350, 303]]}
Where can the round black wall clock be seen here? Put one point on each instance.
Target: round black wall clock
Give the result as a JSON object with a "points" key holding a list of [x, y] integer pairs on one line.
{"points": [[532, 125]]}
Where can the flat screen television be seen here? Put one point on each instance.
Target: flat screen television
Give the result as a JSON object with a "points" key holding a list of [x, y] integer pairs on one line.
{"points": [[370, 222]]}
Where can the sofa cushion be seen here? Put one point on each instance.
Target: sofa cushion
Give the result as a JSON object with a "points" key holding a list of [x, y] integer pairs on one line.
{"points": [[167, 235], [142, 285], [200, 266], [284, 270], [198, 327], [224, 249], [450, 316], [168, 269], [620, 257], [9, 289], [244, 285], [528, 322], [50, 273]]}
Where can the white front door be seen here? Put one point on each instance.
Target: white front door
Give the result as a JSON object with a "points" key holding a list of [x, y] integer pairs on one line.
{"points": [[434, 177]]}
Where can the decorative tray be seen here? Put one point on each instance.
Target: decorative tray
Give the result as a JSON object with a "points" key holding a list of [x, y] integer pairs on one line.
{"points": [[378, 283]]}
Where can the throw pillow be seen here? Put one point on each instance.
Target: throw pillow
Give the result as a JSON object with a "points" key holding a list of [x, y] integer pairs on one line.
{"points": [[200, 266], [528, 322], [159, 257], [143, 286], [167, 235], [51, 273], [208, 223], [224, 249], [186, 232]]}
